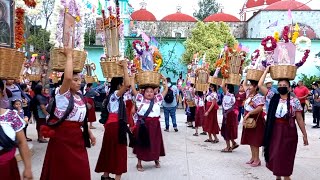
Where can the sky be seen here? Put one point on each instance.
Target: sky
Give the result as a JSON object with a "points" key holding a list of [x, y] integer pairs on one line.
{"points": [[161, 8]]}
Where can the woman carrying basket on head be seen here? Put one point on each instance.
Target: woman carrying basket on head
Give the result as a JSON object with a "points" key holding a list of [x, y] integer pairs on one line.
{"points": [[281, 138], [66, 156], [113, 155], [253, 121], [149, 145]]}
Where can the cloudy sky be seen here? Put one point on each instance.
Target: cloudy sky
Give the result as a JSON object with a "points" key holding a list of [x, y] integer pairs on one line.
{"points": [[161, 8]]}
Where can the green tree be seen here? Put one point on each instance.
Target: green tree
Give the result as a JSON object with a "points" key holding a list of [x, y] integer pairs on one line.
{"points": [[89, 37], [208, 38], [129, 52], [39, 39], [206, 8], [308, 80], [47, 10]]}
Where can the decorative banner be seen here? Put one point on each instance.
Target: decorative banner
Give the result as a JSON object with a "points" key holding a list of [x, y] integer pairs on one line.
{"points": [[69, 30], [145, 37]]}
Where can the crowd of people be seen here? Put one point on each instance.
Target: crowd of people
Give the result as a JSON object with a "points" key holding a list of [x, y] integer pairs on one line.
{"points": [[64, 119]]}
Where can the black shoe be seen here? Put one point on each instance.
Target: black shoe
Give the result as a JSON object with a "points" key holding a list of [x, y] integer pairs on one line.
{"points": [[166, 130], [316, 126], [176, 129], [203, 133], [106, 178]]}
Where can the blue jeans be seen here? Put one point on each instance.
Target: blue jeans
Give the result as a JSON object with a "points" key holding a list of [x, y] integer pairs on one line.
{"points": [[172, 112]]}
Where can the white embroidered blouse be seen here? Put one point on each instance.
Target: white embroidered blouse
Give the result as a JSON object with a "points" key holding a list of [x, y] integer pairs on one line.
{"points": [[228, 101], [113, 106], [252, 102], [143, 105], [212, 96], [282, 108], [78, 112], [199, 101]]}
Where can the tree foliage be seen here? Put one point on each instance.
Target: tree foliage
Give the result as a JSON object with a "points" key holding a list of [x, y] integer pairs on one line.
{"points": [[208, 38], [39, 39], [206, 8], [308, 80], [129, 51]]}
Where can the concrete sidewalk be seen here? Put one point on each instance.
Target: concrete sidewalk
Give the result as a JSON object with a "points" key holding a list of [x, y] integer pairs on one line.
{"points": [[190, 158]]}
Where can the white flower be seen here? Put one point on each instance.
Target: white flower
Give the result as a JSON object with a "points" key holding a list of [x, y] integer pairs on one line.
{"points": [[300, 40]]}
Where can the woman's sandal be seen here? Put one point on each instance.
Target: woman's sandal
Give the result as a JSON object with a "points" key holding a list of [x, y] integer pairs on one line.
{"points": [[157, 164], [227, 150], [215, 141], [106, 178], [140, 168], [235, 146], [209, 140], [195, 134]]}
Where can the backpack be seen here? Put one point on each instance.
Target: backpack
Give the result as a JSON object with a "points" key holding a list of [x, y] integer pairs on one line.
{"points": [[220, 98], [170, 96]]}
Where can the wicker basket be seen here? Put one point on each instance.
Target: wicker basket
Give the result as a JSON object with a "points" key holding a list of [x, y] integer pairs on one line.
{"points": [[11, 62], [111, 69], [34, 77], [192, 80], [89, 79], [202, 87], [254, 74], [59, 60], [234, 79], [148, 79], [283, 72], [215, 80]]}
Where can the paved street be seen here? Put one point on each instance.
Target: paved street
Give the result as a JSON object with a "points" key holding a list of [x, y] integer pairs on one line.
{"points": [[190, 158]]}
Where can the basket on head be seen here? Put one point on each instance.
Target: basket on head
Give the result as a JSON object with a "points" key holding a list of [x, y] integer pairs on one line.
{"points": [[283, 72], [192, 80], [111, 69], [202, 87], [254, 74], [34, 77], [11, 62], [148, 79], [215, 80], [234, 79], [59, 60], [202, 76], [89, 79]]}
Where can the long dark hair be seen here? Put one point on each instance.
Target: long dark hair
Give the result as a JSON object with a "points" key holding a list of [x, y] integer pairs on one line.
{"points": [[38, 89], [288, 99], [230, 88], [116, 82], [255, 84]]}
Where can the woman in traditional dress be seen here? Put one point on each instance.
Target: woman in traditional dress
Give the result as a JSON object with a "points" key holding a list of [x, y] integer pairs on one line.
{"points": [[253, 107], [281, 138], [200, 109], [210, 124], [66, 156], [11, 129], [229, 128], [113, 155], [240, 98], [149, 145], [129, 105], [89, 96]]}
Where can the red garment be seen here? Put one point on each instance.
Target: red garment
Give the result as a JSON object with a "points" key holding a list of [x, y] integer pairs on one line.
{"points": [[301, 91], [156, 148], [40, 122], [199, 117], [113, 156], [8, 167], [210, 124], [283, 148], [239, 102], [31, 93], [66, 157], [92, 111], [254, 136], [129, 105], [229, 128]]}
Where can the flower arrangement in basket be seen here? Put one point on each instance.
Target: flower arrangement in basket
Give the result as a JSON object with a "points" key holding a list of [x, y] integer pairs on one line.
{"points": [[147, 62], [67, 31], [230, 64], [192, 67], [11, 59], [281, 54], [255, 70], [90, 76], [112, 30], [200, 68], [33, 68]]}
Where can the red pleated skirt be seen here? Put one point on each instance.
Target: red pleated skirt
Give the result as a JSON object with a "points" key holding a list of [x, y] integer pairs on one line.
{"points": [[66, 157], [40, 122], [156, 148], [254, 136], [129, 105], [113, 156], [92, 111], [229, 128], [9, 169], [283, 148], [199, 117], [210, 124]]}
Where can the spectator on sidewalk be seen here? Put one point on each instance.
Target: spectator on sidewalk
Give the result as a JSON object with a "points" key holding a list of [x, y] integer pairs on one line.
{"points": [[316, 104], [170, 105], [269, 85], [302, 93]]}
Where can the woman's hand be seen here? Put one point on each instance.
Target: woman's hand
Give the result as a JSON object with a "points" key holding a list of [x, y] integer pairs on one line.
{"points": [[206, 114], [92, 139], [305, 140], [67, 51], [246, 116], [124, 64], [27, 174]]}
